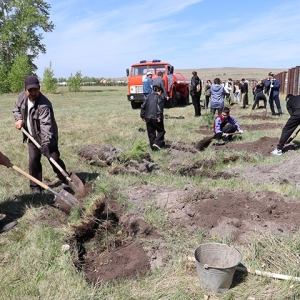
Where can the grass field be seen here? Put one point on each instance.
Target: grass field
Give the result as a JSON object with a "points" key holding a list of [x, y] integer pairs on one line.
{"points": [[32, 264]]}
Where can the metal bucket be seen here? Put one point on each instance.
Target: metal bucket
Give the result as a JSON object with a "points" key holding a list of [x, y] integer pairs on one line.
{"points": [[216, 264]]}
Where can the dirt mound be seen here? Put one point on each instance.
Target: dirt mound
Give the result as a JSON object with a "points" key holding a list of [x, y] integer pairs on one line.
{"points": [[104, 155], [99, 155], [285, 171], [235, 214]]}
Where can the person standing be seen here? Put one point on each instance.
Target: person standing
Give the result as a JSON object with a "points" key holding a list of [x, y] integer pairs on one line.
{"points": [[236, 91], [147, 84], [272, 86], [244, 92], [34, 112], [152, 113], [195, 91], [159, 81], [293, 108], [207, 92], [217, 97], [5, 222], [228, 89]]}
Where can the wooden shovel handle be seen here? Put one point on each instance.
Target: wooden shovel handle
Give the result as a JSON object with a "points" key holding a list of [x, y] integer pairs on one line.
{"points": [[46, 187], [61, 170]]}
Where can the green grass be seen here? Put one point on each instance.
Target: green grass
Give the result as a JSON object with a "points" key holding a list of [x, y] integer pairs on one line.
{"points": [[32, 264]]}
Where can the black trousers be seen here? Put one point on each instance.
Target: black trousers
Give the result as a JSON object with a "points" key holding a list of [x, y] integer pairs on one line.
{"points": [[245, 99], [292, 123], [196, 103], [156, 132], [257, 97], [207, 101], [35, 166]]}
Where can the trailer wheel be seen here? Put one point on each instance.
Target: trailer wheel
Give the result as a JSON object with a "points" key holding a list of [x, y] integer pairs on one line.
{"points": [[135, 105]]}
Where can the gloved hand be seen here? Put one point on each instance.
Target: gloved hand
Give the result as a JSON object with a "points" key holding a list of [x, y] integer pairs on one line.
{"points": [[44, 149], [225, 134], [241, 131]]}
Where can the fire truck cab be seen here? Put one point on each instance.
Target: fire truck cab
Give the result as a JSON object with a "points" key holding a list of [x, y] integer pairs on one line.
{"points": [[177, 86]]}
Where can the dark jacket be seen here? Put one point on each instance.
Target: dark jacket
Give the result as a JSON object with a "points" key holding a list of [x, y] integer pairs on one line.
{"points": [[293, 105], [41, 117], [275, 88], [160, 82], [195, 80], [153, 107]]}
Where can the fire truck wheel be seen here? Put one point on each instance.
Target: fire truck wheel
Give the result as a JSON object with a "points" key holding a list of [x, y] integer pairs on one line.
{"points": [[187, 97], [174, 99], [135, 105]]}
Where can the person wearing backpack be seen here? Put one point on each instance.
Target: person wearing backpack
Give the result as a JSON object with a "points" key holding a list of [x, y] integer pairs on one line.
{"points": [[195, 91]]}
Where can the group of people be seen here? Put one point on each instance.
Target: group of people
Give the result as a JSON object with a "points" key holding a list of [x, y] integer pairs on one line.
{"points": [[218, 92], [34, 112]]}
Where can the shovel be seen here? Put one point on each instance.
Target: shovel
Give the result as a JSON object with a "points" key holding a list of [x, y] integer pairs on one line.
{"points": [[203, 144], [73, 181], [63, 200], [292, 137]]}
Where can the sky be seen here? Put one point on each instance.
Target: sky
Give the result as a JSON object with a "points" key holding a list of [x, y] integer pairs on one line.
{"points": [[102, 38]]}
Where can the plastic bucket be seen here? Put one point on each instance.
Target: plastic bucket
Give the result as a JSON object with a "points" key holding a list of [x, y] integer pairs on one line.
{"points": [[216, 264]]}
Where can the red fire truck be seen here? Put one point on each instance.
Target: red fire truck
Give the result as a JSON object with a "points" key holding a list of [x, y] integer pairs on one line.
{"points": [[177, 86]]}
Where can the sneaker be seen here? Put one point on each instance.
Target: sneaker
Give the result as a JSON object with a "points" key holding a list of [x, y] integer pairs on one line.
{"points": [[276, 152], [155, 147], [7, 226]]}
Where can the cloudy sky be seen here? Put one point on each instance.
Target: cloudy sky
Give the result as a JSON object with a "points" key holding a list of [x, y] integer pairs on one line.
{"points": [[101, 38]]}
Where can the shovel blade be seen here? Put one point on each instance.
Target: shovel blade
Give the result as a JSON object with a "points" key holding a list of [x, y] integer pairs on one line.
{"points": [[76, 184], [65, 201]]}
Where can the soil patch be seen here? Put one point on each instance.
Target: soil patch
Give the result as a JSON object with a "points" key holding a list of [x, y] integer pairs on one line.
{"points": [[111, 244], [225, 213], [284, 171]]}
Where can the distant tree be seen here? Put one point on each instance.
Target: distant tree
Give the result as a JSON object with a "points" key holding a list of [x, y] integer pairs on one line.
{"points": [[49, 82], [21, 26], [74, 82], [19, 70]]}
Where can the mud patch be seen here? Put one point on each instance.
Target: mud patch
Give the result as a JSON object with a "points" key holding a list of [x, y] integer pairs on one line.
{"points": [[182, 149]]}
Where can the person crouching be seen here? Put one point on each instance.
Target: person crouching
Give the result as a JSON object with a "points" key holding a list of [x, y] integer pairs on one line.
{"points": [[152, 114], [226, 124]]}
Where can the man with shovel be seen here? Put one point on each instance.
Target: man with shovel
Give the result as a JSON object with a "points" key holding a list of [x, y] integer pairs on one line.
{"points": [[293, 108], [5, 223], [34, 112], [225, 125]]}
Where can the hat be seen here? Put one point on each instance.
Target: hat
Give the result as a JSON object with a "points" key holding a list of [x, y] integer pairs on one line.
{"points": [[149, 73], [31, 82], [271, 74]]}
